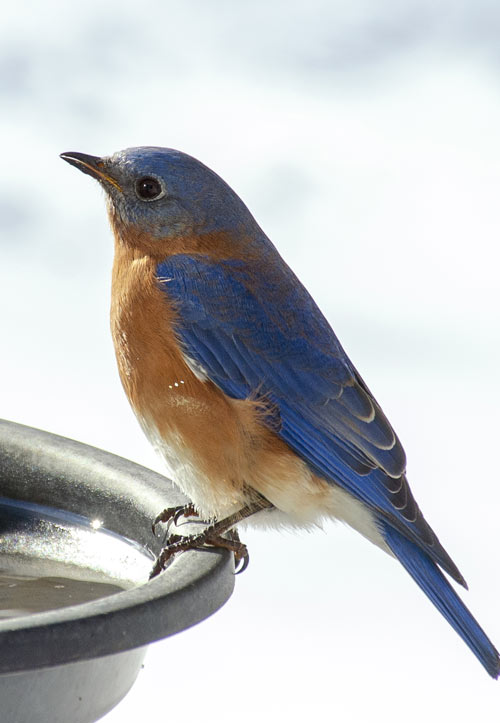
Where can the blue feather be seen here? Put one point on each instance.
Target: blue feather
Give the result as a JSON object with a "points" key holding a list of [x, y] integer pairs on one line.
{"points": [[437, 588]]}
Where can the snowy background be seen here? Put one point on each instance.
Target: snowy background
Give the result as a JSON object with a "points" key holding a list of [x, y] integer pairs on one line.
{"points": [[364, 137]]}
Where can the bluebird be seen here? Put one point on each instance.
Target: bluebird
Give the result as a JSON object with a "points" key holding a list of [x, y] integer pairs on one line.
{"points": [[241, 385]]}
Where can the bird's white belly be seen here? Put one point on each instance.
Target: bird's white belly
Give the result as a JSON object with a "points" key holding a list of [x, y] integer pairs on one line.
{"points": [[188, 474], [304, 502]]}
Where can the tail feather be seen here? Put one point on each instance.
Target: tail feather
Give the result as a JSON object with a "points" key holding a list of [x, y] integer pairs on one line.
{"points": [[437, 588]]}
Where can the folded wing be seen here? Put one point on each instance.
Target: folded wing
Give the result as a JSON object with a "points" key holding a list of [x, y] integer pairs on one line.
{"points": [[257, 332]]}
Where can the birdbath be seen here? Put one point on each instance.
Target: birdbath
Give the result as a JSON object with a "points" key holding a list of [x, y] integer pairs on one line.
{"points": [[77, 609]]}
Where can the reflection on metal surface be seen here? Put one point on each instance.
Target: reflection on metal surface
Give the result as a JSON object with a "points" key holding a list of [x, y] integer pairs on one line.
{"points": [[50, 558]]}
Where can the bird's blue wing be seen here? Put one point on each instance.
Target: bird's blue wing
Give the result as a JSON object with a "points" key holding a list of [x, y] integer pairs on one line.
{"points": [[256, 331]]}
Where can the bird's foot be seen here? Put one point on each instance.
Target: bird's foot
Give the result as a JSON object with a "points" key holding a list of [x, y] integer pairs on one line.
{"points": [[212, 536], [173, 515], [209, 538]]}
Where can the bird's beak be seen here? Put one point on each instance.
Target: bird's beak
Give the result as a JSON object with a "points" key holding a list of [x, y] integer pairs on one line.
{"points": [[92, 165]]}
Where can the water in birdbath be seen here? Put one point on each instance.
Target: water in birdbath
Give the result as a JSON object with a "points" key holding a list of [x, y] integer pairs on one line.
{"points": [[51, 559], [25, 595]]}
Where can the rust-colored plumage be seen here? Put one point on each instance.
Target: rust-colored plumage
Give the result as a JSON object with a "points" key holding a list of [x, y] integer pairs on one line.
{"points": [[221, 442]]}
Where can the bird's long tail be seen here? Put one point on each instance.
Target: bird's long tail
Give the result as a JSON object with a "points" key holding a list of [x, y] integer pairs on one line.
{"points": [[437, 588]]}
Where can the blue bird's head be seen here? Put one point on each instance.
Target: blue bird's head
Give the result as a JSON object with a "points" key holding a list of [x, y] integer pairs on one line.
{"points": [[163, 194]]}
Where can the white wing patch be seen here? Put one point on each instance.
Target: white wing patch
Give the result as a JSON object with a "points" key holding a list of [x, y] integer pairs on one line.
{"points": [[198, 370]]}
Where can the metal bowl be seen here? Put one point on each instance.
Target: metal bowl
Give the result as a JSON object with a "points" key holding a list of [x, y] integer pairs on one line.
{"points": [[76, 607]]}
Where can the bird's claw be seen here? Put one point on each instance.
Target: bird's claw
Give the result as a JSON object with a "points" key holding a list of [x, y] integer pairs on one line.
{"points": [[207, 539], [173, 514], [240, 552], [243, 559], [212, 536]]}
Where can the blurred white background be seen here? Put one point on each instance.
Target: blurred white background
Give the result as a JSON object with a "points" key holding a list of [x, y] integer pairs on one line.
{"points": [[364, 137]]}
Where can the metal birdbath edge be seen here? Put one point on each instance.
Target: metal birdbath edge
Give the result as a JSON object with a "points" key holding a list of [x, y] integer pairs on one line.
{"points": [[78, 661]]}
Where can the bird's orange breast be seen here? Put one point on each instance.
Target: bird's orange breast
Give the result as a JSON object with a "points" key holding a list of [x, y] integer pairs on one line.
{"points": [[218, 448], [193, 424]]}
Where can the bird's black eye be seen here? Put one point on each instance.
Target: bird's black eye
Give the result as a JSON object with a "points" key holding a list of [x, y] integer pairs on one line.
{"points": [[149, 188]]}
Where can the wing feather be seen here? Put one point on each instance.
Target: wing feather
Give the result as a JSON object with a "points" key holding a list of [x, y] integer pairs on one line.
{"points": [[255, 330]]}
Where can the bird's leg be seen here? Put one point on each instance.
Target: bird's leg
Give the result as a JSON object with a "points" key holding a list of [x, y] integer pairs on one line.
{"points": [[173, 514], [212, 536]]}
